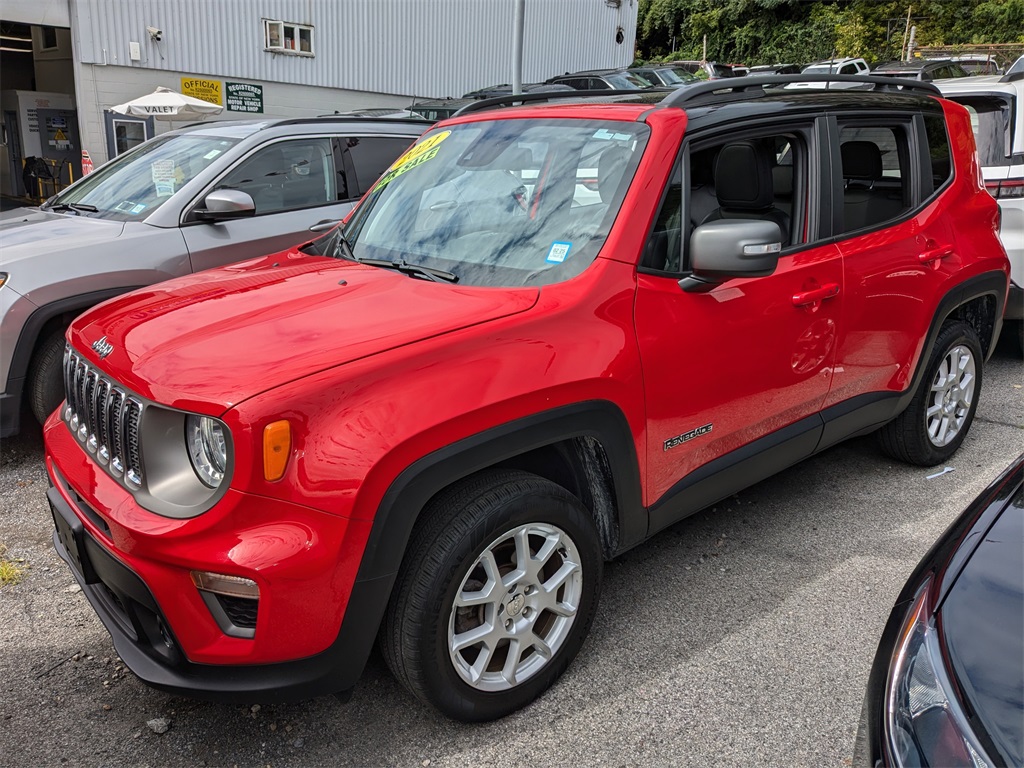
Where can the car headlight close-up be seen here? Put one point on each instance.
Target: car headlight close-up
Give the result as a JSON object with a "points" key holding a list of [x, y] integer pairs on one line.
{"points": [[924, 723], [207, 448]]}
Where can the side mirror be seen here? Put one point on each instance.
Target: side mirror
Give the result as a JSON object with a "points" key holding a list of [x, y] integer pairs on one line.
{"points": [[224, 204], [728, 248]]}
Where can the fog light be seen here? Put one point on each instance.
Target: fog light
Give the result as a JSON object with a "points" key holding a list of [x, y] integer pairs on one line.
{"points": [[222, 584]]}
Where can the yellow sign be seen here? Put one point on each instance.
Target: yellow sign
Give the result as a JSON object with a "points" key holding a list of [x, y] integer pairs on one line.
{"points": [[59, 136], [207, 90]]}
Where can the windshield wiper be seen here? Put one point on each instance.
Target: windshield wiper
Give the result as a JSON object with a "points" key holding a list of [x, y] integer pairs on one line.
{"points": [[437, 275], [342, 244], [78, 207]]}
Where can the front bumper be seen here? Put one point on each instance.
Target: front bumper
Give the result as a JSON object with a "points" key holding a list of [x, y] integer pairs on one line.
{"points": [[312, 635]]}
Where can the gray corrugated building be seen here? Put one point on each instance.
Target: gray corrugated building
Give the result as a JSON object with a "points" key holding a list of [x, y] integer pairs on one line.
{"points": [[276, 58]]}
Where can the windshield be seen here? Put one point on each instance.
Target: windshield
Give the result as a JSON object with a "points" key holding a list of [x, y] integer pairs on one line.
{"points": [[499, 203], [135, 184], [670, 77], [627, 81], [820, 69]]}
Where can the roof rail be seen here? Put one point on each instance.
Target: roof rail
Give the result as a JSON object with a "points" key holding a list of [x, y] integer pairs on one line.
{"points": [[750, 86], [753, 85], [522, 98]]}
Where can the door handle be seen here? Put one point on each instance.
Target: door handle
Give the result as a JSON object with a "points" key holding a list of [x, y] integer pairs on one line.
{"points": [[827, 291], [324, 225], [935, 254]]}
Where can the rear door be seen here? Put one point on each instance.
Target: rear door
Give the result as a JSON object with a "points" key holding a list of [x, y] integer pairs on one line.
{"points": [[898, 246]]}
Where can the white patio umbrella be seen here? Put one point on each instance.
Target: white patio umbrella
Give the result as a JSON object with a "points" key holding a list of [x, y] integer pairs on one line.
{"points": [[165, 104]]}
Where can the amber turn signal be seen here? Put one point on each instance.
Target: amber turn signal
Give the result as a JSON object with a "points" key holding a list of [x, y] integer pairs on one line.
{"points": [[277, 447]]}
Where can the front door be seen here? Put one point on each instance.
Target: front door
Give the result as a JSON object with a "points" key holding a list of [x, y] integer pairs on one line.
{"points": [[738, 364]]}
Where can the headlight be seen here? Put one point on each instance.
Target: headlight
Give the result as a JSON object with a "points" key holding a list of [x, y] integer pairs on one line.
{"points": [[924, 724], [3, 278], [207, 448]]}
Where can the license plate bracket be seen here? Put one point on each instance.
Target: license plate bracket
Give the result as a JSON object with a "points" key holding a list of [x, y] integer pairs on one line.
{"points": [[71, 534]]}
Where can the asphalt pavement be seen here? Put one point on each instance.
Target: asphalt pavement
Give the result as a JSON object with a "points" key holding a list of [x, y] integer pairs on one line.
{"points": [[741, 636]]}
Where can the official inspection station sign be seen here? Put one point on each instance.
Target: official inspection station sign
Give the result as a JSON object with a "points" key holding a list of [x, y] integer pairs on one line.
{"points": [[200, 88]]}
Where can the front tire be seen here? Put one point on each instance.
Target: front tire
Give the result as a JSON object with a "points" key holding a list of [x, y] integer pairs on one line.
{"points": [[495, 596], [937, 420], [45, 378]]}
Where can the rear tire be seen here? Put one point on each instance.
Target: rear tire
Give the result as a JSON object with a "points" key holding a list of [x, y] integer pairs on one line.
{"points": [[937, 420], [45, 378], [495, 596]]}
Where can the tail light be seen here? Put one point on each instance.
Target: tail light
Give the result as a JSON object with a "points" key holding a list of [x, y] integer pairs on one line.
{"points": [[1006, 189]]}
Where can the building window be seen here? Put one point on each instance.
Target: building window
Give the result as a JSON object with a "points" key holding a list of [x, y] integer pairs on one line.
{"points": [[286, 37], [49, 38]]}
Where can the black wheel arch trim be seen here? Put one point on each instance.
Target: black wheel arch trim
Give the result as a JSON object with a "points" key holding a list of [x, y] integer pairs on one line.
{"points": [[409, 493], [993, 284]]}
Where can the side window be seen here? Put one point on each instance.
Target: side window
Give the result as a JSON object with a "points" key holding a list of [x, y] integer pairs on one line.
{"points": [[369, 157], [286, 175], [938, 151], [751, 177], [596, 84], [876, 174], [849, 69]]}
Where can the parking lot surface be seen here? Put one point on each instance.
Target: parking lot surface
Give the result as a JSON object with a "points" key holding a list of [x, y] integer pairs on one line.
{"points": [[740, 636]]}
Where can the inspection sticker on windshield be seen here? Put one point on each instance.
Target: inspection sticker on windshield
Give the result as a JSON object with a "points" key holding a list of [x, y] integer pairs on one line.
{"points": [[558, 252], [416, 155]]}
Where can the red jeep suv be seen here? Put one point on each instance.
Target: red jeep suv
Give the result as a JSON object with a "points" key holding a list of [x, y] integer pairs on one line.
{"points": [[547, 332]]}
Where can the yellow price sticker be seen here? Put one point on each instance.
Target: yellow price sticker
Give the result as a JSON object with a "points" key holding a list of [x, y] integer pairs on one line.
{"points": [[413, 157]]}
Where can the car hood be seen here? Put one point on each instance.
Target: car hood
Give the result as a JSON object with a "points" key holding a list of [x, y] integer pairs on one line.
{"points": [[983, 625], [208, 341], [24, 231]]}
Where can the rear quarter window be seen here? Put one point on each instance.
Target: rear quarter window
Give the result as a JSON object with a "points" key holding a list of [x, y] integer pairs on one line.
{"points": [[938, 150]]}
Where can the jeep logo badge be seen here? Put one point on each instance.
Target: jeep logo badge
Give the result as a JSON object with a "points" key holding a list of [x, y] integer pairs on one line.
{"points": [[102, 347]]}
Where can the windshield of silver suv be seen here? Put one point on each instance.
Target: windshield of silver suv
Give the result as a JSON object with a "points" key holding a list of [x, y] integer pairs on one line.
{"points": [[135, 184], [497, 203]]}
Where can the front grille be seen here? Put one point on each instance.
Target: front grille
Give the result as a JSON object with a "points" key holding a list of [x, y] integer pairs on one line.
{"points": [[105, 418]]}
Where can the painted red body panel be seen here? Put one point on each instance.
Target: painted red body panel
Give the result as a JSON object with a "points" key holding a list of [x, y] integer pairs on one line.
{"points": [[301, 559], [328, 312]]}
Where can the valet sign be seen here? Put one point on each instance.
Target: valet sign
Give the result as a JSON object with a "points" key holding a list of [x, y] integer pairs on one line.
{"points": [[243, 97]]}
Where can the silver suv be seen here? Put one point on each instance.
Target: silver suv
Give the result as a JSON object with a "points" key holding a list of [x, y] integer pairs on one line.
{"points": [[187, 200]]}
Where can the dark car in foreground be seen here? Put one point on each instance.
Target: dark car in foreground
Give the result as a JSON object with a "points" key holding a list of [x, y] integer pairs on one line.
{"points": [[947, 685]]}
